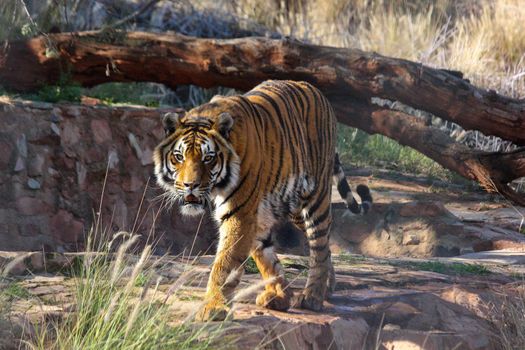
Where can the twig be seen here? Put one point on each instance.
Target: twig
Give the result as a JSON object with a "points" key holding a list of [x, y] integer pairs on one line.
{"points": [[135, 14]]}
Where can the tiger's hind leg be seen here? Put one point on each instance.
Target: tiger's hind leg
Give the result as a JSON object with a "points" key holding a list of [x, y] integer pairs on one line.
{"points": [[331, 282], [317, 223], [276, 295]]}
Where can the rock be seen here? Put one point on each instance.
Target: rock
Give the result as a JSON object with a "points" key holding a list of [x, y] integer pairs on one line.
{"points": [[70, 133], [36, 165], [500, 257], [33, 184], [113, 159], [145, 156], [415, 228], [101, 130], [90, 101], [65, 228], [135, 145], [31, 206], [21, 145], [5, 155], [133, 184], [420, 310], [299, 331], [409, 239], [55, 129], [20, 164], [81, 175]]}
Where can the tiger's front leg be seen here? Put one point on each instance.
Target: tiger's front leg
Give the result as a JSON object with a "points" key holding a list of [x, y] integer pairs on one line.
{"points": [[235, 242]]}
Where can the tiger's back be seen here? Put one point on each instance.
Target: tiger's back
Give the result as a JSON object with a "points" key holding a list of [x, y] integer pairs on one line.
{"points": [[297, 146]]}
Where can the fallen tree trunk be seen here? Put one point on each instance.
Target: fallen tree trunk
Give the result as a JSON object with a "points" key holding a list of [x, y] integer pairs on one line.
{"points": [[93, 58], [350, 78]]}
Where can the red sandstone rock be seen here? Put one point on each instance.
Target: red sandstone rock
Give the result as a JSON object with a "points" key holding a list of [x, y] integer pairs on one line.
{"points": [[31, 206], [65, 228], [6, 149], [101, 130], [90, 101]]}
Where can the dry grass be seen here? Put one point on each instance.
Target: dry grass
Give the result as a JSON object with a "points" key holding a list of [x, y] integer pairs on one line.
{"points": [[509, 321]]}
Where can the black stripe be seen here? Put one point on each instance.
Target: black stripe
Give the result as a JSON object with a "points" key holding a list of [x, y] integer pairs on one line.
{"points": [[320, 199], [319, 219], [166, 178], [224, 181], [280, 166], [343, 188], [300, 107], [280, 92], [277, 110], [319, 248], [354, 206], [232, 212], [266, 242], [234, 190]]}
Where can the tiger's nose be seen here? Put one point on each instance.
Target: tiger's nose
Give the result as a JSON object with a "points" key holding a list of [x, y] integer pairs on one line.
{"points": [[191, 185]]}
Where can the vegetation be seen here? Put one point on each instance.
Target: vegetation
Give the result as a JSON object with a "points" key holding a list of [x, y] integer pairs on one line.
{"points": [[509, 320], [359, 149], [450, 269], [118, 305], [13, 291], [250, 266], [348, 258]]}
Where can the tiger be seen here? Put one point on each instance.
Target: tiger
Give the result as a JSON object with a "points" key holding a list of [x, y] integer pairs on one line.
{"points": [[255, 159]]}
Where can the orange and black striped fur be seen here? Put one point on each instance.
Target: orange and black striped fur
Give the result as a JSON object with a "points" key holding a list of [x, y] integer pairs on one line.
{"points": [[256, 159]]}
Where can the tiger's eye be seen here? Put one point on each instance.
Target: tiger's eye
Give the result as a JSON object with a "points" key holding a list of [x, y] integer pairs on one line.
{"points": [[176, 157], [208, 158]]}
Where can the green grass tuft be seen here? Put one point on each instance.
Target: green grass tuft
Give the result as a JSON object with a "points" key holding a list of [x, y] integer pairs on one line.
{"points": [[250, 266], [348, 258], [59, 93], [15, 291]]}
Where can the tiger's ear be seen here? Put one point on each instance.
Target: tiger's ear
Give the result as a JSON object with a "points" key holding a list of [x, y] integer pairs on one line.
{"points": [[216, 98], [224, 124], [170, 121]]}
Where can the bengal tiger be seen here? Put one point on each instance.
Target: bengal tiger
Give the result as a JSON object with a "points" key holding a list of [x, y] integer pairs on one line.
{"points": [[255, 159]]}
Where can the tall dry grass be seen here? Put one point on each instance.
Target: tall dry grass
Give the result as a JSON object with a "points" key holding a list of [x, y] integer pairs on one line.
{"points": [[480, 38]]}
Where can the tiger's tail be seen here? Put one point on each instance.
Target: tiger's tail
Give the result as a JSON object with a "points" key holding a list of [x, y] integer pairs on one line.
{"points": [[346, 193]]}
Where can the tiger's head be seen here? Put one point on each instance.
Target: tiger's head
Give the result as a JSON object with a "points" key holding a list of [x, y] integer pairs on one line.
{"points": [[196, 162]]}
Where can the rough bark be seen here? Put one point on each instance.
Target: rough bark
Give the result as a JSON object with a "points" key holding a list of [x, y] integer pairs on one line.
{"points": [[349, 77]]}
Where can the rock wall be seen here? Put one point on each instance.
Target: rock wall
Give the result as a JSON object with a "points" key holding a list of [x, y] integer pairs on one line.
{"points": [[53, 162]]}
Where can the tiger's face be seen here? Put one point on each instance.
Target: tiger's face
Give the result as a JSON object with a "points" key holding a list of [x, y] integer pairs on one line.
{"points": [[192, 162]]}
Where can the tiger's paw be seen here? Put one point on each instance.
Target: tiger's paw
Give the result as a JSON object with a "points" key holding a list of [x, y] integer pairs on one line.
{"points": [[273, 300], [212, 311], [309, 301]]}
